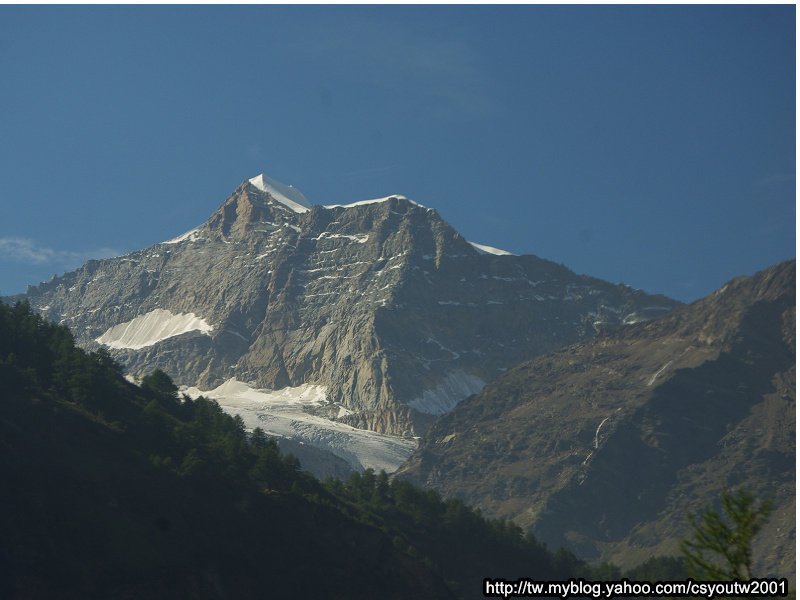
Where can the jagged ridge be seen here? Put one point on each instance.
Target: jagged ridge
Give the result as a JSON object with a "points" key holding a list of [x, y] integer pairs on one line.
{"points": [[381, 301]]}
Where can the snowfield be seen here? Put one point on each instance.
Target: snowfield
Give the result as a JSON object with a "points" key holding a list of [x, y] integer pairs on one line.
{"points": [[150, 328], [280, 413]]}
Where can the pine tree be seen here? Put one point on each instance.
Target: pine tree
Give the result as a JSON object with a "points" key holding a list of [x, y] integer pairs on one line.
{"points": [[720, 546]]}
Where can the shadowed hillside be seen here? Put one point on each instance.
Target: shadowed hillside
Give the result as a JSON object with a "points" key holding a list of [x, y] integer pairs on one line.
{"points": [[605, 446], [119, 491]]}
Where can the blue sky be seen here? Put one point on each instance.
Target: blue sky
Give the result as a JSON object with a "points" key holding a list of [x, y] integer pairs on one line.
{"points": [[653, 146]]}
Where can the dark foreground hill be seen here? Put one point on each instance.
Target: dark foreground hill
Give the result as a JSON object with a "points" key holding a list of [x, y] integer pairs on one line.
{"points": [[605, 446], [110, 490]]}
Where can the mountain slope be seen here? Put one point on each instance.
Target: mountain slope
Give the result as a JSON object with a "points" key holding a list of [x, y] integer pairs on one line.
{"points": [[606, 445], [111, 490], [380, 302]]}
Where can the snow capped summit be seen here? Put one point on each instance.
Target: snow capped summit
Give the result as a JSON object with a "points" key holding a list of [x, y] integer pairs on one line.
{"points": [[285, 194], [294, 199]]}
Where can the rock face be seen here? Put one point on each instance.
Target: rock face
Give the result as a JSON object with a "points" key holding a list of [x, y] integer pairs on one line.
{"points": [[605, 446], [380, 301]]}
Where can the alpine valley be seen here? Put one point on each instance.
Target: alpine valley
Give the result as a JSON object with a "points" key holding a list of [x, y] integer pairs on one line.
{"points": [[606, 446], [347, 328], [372, 335]]}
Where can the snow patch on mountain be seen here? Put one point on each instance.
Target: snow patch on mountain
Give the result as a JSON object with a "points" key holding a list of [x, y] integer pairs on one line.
{"points": [[285, 194], [632, 318], [192, 236], [360, 239], [373, 201], [454, 388], [151, 328], [283, 413], [657, 373], [484, 249]]}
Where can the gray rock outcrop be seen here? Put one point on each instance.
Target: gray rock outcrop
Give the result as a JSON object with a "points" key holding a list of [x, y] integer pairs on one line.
{"points": [[382, 302]]}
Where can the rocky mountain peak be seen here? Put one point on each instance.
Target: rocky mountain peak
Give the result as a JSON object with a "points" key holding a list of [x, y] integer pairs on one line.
{"points": [[380, 303], [253, 212]]}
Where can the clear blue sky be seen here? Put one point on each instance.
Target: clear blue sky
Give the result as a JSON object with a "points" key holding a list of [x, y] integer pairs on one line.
{"points": [[648, 145]]}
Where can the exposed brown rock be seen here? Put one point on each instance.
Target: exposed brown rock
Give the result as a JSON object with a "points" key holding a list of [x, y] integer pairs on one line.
{"points": [[605, 446]]}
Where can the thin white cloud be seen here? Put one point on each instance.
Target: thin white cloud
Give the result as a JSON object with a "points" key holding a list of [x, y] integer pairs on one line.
{"points": [[28, 251]]}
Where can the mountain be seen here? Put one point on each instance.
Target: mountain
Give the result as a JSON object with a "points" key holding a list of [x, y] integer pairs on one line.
{"points": [[375, 314], [606, 445]]}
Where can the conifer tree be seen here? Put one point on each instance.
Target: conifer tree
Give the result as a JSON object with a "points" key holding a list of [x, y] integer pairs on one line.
{"points": [[720, 547]]}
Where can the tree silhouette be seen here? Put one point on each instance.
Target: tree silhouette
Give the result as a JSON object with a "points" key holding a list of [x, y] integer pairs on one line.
{"points": [[720, 546], [160, 382]]}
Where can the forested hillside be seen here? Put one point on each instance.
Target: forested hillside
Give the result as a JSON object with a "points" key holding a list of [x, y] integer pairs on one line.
{"points": [[119, 491]]}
